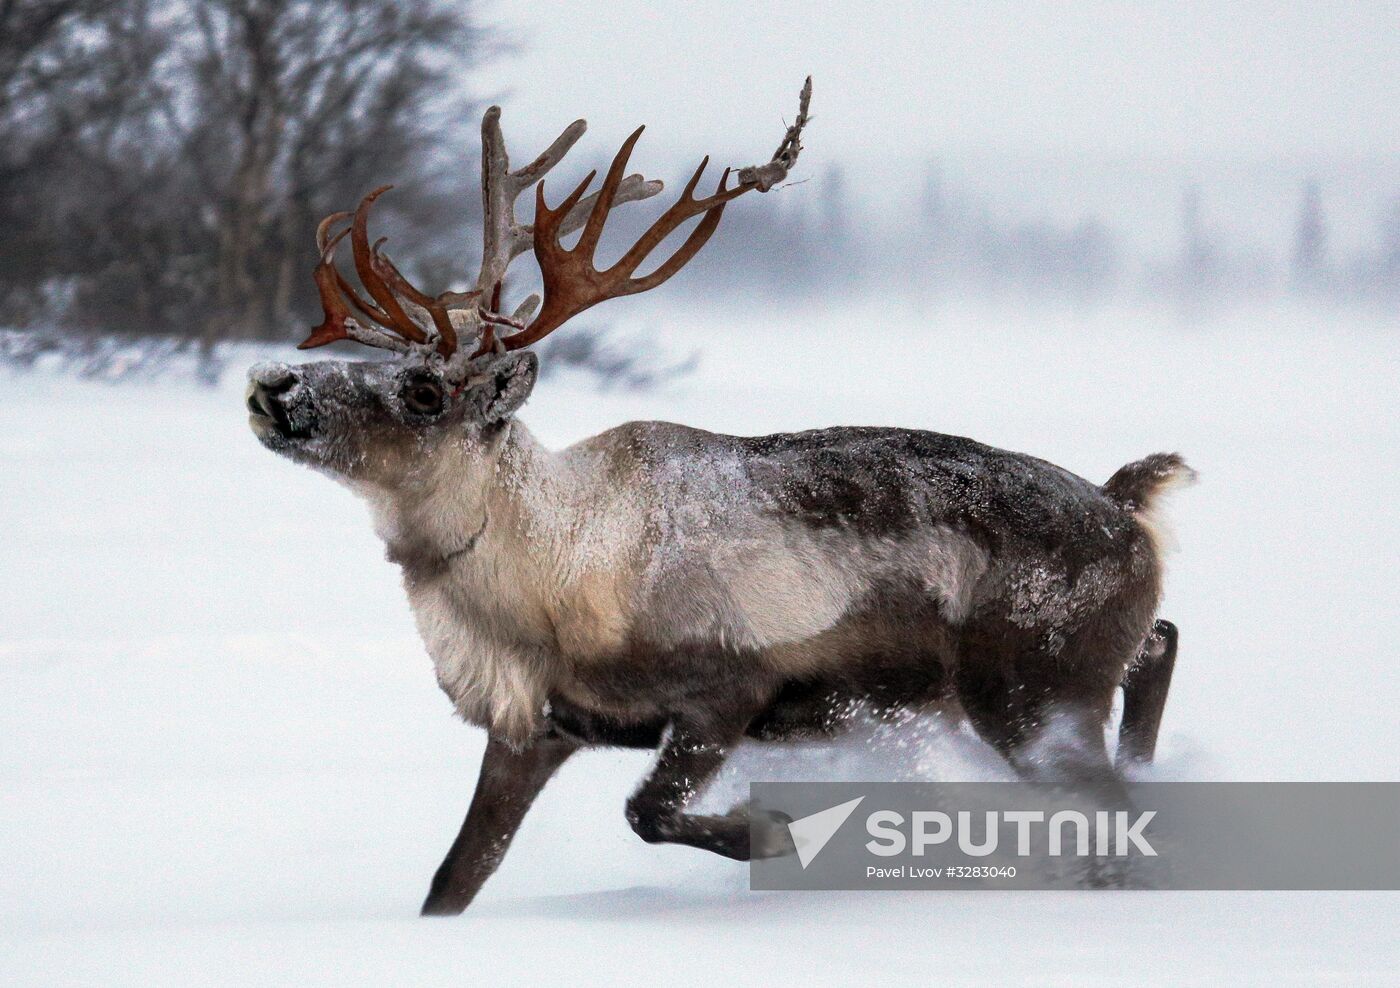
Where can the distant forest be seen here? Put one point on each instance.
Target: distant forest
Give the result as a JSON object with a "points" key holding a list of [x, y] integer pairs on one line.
{"points": [[163, 166], [955, 245]]}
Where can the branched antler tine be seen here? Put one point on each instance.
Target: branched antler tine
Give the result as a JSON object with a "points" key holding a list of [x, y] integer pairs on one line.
{"points": [[338, 322], [323, 229], [598, 215], [328, 248], [326, 245], [526, 308], [572, 282], [681, 210], [549, 220], [502, 238], [363, 306], [688, 193], [497, 202], [664, 224], [634, 188], [435, 307], [387, 270], [370, 336], [551, 156], [379, 290], [335, 313], [693, 243]]}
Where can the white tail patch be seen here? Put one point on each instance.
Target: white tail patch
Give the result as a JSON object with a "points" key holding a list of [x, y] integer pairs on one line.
{"points": [[1152, 515]]}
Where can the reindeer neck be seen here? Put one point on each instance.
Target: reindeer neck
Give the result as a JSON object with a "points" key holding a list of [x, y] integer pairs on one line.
{"points": [[511, 491]]}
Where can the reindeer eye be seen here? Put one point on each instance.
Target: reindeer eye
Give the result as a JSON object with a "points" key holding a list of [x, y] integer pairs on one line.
{"points": [[422, 395]]}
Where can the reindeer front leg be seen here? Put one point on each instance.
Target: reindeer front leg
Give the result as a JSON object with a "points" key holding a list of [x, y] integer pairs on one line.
{"points": [[690, 755], [509, 782]]}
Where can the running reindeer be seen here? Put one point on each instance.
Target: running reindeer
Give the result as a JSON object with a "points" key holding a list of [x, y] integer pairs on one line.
{"points": [[666, 587]]}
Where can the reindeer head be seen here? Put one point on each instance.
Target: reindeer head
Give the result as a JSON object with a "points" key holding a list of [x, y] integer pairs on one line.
{"points": [[461, 370]]}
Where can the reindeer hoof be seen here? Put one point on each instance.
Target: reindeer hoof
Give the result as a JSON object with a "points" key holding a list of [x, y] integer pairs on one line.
{"points": [[769, 836], [438, 904]]}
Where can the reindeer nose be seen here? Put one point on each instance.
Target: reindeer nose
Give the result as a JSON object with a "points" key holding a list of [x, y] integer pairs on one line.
{"points": [[266, 382], [275, 377], [262, 400]]}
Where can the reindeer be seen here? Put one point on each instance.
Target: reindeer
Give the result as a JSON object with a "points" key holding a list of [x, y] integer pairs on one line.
{"points": [[665, 587]]}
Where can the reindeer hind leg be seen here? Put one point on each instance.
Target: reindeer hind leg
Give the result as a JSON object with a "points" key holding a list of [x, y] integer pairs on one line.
{"points": [[1145, 689]]}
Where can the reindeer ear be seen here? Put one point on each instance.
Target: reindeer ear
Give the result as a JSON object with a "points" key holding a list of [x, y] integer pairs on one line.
{"points": [[503, 386]]}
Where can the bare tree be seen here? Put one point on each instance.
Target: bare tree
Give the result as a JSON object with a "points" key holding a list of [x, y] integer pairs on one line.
{"points": [[181, 152], [63, 89], [298, 106]]}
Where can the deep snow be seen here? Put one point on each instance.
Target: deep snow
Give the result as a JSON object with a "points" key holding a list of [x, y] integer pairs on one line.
{"points": [[224, 758]]}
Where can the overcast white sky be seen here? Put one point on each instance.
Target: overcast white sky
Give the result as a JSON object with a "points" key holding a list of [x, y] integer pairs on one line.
{"points": [[1238, 79], [1019, 96]]}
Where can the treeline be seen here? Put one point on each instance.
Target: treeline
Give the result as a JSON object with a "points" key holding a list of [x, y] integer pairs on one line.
{"points": [[950, 242], [163, 163]]}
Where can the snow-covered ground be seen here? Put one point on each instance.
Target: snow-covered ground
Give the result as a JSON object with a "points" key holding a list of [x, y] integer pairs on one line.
{"points": [[224, 758]]}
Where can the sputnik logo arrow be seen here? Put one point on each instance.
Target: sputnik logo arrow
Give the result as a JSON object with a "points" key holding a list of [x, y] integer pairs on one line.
{"points": [[811, 833]]}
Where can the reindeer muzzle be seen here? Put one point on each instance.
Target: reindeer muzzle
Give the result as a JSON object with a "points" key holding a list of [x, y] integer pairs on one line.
{"points": [[269, 390]]}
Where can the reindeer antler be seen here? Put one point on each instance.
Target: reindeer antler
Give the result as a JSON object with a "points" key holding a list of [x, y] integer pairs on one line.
{"points": [[401, 318], [503, 240], [385, 286], [573, 284]]}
